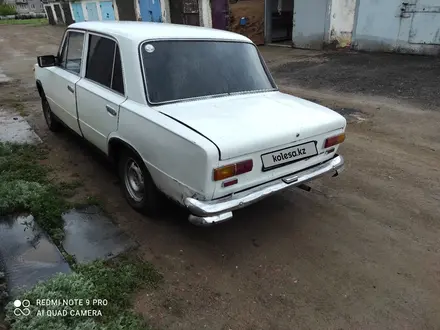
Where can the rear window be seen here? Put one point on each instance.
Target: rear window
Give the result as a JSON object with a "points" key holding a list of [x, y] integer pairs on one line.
{"points": [[179, 70]]}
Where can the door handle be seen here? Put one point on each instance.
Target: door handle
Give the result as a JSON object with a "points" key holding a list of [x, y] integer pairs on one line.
{"points": [[110, 110], [70, 89]]}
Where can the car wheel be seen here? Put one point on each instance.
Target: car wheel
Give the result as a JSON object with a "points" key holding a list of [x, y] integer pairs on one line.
{"points": [[138, 186], [52, 122]]}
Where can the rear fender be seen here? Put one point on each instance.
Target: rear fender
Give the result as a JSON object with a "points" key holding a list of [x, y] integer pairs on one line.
{"points": [[168, 185]]}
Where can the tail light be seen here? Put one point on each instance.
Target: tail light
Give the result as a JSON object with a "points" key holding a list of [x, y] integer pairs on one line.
{"points": [[228, 171], [334, 140]]}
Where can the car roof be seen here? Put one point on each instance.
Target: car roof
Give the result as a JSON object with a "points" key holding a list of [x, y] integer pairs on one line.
{"points": [[140, 31]]}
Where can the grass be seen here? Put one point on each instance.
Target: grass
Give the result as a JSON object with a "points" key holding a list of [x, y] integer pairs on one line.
{"points": [[20, 108], [26, 187], [30, 21], [7, 9], [113, 281]]}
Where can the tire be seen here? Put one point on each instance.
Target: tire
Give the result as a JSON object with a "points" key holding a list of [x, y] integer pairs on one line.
{"points": [[52, 121], [132, 172]]}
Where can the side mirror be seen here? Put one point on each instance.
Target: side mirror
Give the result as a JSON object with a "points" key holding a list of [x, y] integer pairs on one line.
{"points": [[46, 61]]}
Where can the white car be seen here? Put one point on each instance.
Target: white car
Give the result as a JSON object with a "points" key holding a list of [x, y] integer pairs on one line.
{"points": [[187, 112]]}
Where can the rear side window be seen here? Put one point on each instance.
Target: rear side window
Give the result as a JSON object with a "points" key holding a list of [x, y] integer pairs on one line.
{"points": [[118, 80], [104, 63]]}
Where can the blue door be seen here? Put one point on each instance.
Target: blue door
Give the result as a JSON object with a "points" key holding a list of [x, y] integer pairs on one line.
{"points": [[107, 11], [150, 10], [78, 14], [92, 11]]}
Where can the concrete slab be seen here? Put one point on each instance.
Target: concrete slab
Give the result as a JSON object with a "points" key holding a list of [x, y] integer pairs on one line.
{"points": [[27, 255], [91, 235], [16, 129]]}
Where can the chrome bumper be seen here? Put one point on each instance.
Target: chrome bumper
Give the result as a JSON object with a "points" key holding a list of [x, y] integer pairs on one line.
{"points": [[205, 213]]}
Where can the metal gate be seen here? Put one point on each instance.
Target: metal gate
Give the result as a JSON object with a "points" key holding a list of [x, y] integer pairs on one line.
{"points": [[150, 10], [191, 12], [404, 26], [425, 22], [107, 11], [309, 23], [220, 14], [185, 12], [92, 11], [78, 14]]}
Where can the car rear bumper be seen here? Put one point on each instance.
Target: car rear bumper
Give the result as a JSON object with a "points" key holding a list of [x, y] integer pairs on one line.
{"points": [[205, 213]]}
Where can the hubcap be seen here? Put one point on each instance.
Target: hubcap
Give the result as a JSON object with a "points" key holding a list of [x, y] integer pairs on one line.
{"points": [[134, 180], [46, 112]]}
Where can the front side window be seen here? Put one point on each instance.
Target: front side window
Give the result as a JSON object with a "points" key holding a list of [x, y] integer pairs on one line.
{"points": [[71, 54], [181, 69], [104, 63]]}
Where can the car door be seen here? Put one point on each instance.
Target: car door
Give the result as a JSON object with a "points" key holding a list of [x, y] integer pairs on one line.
{"points": [[60, 91], [101, 92]]}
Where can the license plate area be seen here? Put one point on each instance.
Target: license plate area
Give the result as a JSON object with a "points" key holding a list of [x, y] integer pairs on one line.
{"points": [[288, 155]]}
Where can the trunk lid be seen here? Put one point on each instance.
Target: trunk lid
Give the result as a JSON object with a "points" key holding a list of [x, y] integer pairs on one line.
{"points": [[245, 124]]}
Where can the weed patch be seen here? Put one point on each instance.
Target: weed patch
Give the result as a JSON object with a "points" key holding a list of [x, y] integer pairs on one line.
{"points": [[20, 108], [7, 9], [113, 281]]}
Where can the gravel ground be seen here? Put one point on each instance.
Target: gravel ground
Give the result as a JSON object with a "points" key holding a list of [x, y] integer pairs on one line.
{"points": [[414, 79]]}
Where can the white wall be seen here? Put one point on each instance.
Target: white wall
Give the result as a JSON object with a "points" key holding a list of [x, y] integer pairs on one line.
{"points": [[342, 22], [137, 10], [205, 14], [115, 8], [165, 8]]}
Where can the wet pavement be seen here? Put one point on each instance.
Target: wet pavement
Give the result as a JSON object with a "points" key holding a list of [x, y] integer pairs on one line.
{"points": [[91, 235], [15, 128], [27, 255]]}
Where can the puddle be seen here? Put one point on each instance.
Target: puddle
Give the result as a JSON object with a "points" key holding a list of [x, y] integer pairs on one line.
{"points": [[27, 256], [16, 129], [90, 235]]}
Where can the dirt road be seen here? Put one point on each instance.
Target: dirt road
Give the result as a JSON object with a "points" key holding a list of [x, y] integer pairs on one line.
{"points": [[361, 251]]}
